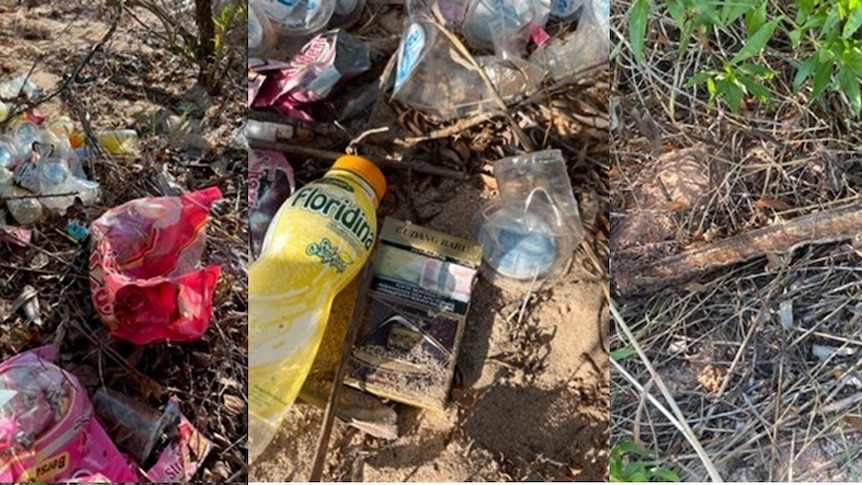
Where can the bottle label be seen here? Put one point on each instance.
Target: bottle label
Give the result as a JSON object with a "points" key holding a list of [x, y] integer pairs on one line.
{"points": [[280, 10], [410, 53], [343, 212], [565, 8], [329, 255]]}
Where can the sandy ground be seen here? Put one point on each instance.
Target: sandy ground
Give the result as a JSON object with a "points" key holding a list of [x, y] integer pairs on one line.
{"points": [[540, 383]]}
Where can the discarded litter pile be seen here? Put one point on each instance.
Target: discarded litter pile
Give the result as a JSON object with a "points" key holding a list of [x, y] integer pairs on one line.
{"points": [[41, 162], [414, 306], [148, 287]]}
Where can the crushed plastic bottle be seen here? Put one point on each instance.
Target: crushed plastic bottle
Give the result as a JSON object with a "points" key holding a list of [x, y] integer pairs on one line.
{"points": [[566, 9], [504, 25], [9, 154], [585, 48], [429, 79], [529, 234], [346, 13], [25, 208], [22, 84], [298, 17], [261, 32], [317, 243], [53, 179]]}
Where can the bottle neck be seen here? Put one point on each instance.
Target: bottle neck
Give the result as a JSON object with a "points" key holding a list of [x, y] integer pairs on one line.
{"points": [[361, 182]]}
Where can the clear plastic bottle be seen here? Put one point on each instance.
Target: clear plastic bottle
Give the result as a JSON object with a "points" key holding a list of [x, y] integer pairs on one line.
{"points": [[298, 17], [316, 244], [261, 33]]}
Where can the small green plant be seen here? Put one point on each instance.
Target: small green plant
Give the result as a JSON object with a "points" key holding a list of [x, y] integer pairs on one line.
{"points": [[824, 36], [630, 462]]}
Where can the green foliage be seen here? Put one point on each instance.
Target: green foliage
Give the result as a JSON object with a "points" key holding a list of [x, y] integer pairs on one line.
{"points": [[825, 37], [630, 462], [622, 354]]}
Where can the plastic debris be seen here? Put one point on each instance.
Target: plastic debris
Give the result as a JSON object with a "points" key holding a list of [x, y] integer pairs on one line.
{"points": [[297, 17], [270, 183], [581, 50], [47, 429], [18, 236], [54, 178], [432, 76], [146, 279], [28, 302], [531, 231], [164, 444], [326, 61]]}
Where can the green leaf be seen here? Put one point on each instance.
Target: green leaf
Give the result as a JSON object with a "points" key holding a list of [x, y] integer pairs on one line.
{"points": [[622, 354], [732, 93], [852, 58], [758, 41], [664, 474], [804, 72], [629, 446], [733, 10], [755, 19], [638, 19], [849, 82], [677, 12], [832, 19], [757, 70], [711, 87], [852, 24], [795, 37], [755, 88], [822, 76], [711, 14], [699, 78], [639, 477], [633, 469]]}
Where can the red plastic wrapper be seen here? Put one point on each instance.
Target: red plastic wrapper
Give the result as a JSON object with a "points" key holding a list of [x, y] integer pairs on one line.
{"points": [[270, 183], [324, 63], [48, 432], [145, 271]]}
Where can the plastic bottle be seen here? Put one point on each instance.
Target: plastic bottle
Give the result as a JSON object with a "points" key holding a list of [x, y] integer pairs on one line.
{"points": [[298, 17], [25, 210], [583, 49], [261, 33], [317, 243]]}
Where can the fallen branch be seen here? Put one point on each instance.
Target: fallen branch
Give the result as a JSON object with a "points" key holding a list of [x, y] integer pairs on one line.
{"points": [[823, 227], [420, 167]]}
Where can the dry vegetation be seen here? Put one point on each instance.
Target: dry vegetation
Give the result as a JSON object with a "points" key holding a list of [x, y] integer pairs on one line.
{"points": [[760, 356], [133, 80]]}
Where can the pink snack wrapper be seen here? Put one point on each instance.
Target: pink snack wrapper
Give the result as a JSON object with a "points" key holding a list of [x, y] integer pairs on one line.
{"points": [[145, 274], [324, 63], [48, 432], [270, 183], [96, 478], [180, 460]]}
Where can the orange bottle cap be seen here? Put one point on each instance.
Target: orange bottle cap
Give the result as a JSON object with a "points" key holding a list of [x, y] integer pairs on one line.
{"points": [[364, 168]]}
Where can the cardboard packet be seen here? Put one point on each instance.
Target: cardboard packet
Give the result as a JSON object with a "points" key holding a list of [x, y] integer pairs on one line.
{"points": [[408, 343]]}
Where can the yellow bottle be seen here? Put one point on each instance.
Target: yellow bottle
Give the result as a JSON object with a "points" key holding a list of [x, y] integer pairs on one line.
{"points": [[316, 244]]}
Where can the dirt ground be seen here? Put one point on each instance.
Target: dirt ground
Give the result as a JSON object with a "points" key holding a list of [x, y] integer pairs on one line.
{"points": [[134, 81], [760, 355], [533, 401]]}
